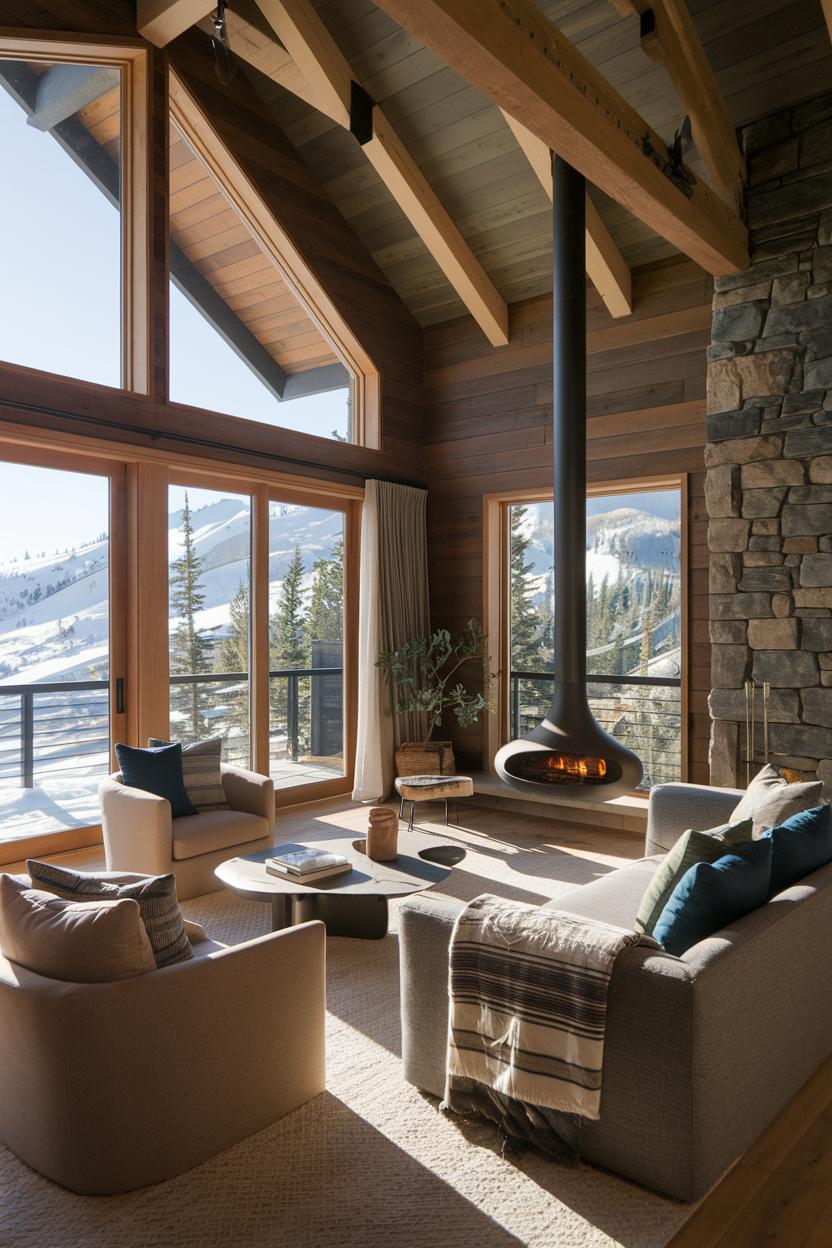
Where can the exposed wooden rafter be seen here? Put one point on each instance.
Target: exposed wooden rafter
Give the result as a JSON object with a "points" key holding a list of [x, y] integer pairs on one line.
{"points": [[162, 21], [328, 75], [522, 62], [607, 269], [669, 38], [826, 5]]}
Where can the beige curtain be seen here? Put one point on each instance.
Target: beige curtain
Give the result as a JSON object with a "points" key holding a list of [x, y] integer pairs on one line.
{"points": [[393, 607]]}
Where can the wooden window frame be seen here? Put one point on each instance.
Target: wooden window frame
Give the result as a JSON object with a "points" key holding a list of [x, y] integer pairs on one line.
{"points": [[141, 521], [33, 457], [497, 587], [201, 135], [314, 494], [131, 58], [316, 790]]}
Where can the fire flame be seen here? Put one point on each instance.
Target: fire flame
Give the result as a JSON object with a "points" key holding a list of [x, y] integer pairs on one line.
{"points": [[575, 765]]}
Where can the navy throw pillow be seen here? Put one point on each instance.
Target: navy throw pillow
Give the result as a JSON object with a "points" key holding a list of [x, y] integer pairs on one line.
{"points": [[156, 771], [801, 845], [713, 894]]}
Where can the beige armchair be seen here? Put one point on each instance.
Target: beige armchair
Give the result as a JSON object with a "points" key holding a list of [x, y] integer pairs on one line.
{"points": [[109, 1087], [140, 835]]}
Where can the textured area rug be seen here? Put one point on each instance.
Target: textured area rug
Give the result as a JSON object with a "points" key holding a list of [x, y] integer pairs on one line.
{"points": [[371, 1162]]}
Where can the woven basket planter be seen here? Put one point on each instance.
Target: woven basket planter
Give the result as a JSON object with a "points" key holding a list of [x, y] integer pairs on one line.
{"points": [[435, 759]]}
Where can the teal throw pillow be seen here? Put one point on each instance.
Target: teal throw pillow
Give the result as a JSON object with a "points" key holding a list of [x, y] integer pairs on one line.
{"points": [[711, 895], [800, 846], [691, 847]]}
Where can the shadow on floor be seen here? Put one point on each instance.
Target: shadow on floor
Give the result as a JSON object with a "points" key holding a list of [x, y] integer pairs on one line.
{"points": [[602, 1203], [323, 1175]]}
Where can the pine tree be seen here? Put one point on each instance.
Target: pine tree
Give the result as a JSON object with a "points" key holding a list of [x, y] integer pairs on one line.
{"points": [[233, 657], [524, 617], [289, 635], [289, 646], [326, 608], [547, 619], [190, 646]]}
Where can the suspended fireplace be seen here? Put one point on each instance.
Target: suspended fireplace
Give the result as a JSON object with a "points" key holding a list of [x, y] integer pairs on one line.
{"points": [[569, 749]]}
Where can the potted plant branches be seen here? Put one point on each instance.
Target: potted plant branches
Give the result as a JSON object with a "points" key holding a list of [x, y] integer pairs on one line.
{"points": [[425, 676]]}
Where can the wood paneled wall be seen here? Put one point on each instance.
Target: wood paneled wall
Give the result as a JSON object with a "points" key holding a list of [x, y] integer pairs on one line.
{"points": [[489, 417]]}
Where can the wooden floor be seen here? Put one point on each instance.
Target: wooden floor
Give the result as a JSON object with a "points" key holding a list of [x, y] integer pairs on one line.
{"points": [[779, 1195]]}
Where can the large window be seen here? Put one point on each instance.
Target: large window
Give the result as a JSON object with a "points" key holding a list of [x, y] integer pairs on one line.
{"points": [[55, 647], [306, 644], [209, 548], [240, 340], [233, 597], [634, 620], [60, 218]]}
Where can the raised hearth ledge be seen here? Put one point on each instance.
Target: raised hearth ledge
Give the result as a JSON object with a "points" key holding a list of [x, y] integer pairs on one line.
{"points": [[628, 813]]}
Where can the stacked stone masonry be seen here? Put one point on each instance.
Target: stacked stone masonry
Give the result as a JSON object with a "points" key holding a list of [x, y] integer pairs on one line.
{"points": [[769, 456]]}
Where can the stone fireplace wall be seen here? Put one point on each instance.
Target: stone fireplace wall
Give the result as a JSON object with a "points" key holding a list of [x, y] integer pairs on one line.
{"points": [[769, 456]]}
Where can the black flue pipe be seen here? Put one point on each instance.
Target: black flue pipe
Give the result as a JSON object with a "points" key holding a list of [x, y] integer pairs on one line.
{"points": [[569, 424], [569, 747]]}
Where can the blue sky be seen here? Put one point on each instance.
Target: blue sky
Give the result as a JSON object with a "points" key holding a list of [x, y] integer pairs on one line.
{"points": [[60, 284]]}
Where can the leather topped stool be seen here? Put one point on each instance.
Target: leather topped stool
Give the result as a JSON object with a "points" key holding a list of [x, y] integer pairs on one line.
{"points": [[415, 789]]}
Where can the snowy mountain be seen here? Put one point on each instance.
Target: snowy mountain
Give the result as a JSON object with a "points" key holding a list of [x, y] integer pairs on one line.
{"points": [[621, 543], [54, 621]]}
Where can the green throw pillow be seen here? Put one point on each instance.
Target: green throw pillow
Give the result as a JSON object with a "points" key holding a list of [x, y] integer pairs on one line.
{"points": [[691, 847]]}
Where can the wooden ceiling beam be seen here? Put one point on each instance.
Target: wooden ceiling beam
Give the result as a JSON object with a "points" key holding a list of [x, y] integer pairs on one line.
{"points": [[522, 62], [258, 48], [826, 5], [328, 75], [606, 267], [162, 21], [670, 38]]}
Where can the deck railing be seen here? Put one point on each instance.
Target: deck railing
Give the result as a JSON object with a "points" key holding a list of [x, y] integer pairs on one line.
{"points": [[50, 729], [642, 712]]}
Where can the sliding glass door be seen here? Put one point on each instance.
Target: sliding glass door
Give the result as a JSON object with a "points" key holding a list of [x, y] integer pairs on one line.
{"points": [[209, 618], [306, 644], [61, 670]]}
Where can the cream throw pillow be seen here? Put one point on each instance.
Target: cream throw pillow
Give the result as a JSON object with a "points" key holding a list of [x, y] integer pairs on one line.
{"points": [[86, 942], [770, 800]]}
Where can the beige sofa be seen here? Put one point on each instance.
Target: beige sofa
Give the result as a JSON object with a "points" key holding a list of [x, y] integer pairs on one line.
{"points": [[109, 1087], [140, 835]]}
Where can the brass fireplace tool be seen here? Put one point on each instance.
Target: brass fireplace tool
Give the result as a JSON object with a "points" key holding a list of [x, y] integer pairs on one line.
{"points": [[751, 725]]}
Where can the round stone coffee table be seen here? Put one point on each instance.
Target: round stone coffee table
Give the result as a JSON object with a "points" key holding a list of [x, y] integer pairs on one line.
{"points": [[351, 904]]}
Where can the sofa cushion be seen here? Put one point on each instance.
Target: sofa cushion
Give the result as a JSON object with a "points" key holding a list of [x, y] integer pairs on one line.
{"points": [[201, 772], [86, 942], [691, 847], [211, 830], [613, 898], [155, 894], [711, 895], [800, 845], [769, 799], [156, 771]]}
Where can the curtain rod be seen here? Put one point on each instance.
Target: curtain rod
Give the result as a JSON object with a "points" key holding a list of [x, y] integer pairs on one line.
{"points": [[206, 443]]}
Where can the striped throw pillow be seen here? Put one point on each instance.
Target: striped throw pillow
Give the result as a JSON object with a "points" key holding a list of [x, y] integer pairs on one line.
{"points": [[201, 772], [156, 895]]}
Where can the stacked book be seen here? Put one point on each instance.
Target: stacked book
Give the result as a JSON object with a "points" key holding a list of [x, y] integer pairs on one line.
{"points": [[305, 865]]}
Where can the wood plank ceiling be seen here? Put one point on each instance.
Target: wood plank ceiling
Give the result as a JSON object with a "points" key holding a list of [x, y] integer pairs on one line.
{"points": [[767, 54], [215, 239]]}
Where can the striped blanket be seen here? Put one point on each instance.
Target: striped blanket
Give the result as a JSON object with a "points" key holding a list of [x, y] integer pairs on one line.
{"points": [[528, 1005]]}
